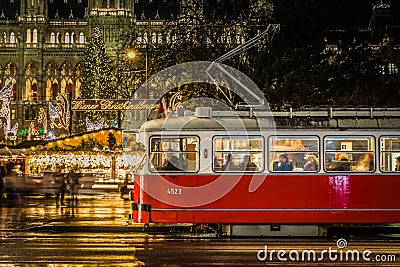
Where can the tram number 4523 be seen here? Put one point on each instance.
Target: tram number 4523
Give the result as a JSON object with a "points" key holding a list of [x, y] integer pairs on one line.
{"points": [[174, 191]]}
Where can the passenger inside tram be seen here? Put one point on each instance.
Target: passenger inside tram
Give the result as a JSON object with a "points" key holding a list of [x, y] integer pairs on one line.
{"points": [[366, 163], [397, 168], [247, 164], [342, 164], [228, 165], [311, 163], [172, 164], [283, 163]]}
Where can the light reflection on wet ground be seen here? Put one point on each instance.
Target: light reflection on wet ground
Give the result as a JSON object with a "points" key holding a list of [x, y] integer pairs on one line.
{"points": [[25, 212], [21, 244]]}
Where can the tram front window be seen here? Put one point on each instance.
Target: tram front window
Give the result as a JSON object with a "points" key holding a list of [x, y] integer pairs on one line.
{"points": [[174, 154]]}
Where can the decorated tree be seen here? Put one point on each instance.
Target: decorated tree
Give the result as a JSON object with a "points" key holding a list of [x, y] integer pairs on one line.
{"points": [[98, 82]]}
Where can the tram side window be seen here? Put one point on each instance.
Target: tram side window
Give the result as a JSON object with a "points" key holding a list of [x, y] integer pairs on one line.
{"points": [[349, 153], [174, 154], [239, 153], [390, 151], [294, 153]]}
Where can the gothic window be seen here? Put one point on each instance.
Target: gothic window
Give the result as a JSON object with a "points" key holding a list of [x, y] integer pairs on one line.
{"points": [[51, 82], [14, 92], [168, 38], [154, 38], [112, 3], [66, 78], [31, 87], [145, 37], [4, 37], [52, 38], [28, 36], [34, 37], [104, 3], [78, 81], [58, 38], [54, 91], [72, 37], [12, 38], [11, 70], [159, 37], [30, 112], [67, 40], [81, 38]]}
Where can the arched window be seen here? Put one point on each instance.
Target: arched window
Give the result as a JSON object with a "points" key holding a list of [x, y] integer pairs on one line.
{"points": [[14, 92], [159, 37], [154, 38], [67, 73], [52, 83], [72, 37], [34, 37], [54, 91], [78, 82], [52, 38], [81, 38], [34, 91], [66, 38], [12, 38], [31, 87], [28, 36]]}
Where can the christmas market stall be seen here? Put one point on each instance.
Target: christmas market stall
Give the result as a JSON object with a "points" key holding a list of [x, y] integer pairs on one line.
{"points": [[100, 157]]}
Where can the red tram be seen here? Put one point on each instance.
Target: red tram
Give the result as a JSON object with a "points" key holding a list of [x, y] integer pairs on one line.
{"points": [[225, 167]]}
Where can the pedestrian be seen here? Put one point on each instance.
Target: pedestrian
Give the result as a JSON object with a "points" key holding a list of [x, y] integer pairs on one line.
{"points": [[73, 178], [63, 187], [2, 175], [124, 187]]}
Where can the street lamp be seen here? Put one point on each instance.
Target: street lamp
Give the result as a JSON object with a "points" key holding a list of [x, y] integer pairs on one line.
{"points": [[131, 55]]}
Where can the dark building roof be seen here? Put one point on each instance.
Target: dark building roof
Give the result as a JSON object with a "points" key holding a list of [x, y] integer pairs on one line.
{"points": [[69, 9], [156, 9], [9, 9]]}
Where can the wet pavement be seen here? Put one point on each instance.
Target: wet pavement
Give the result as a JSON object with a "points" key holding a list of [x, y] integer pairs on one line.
{"points": [[98, 211], [95, 231]]}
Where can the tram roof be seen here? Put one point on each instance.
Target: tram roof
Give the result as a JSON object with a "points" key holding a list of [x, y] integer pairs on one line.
{"points": [[246, 120], [201, 124]]}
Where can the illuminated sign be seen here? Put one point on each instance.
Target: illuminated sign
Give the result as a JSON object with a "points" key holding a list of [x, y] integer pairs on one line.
{"points": [[113, 104], [34, 131]]}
